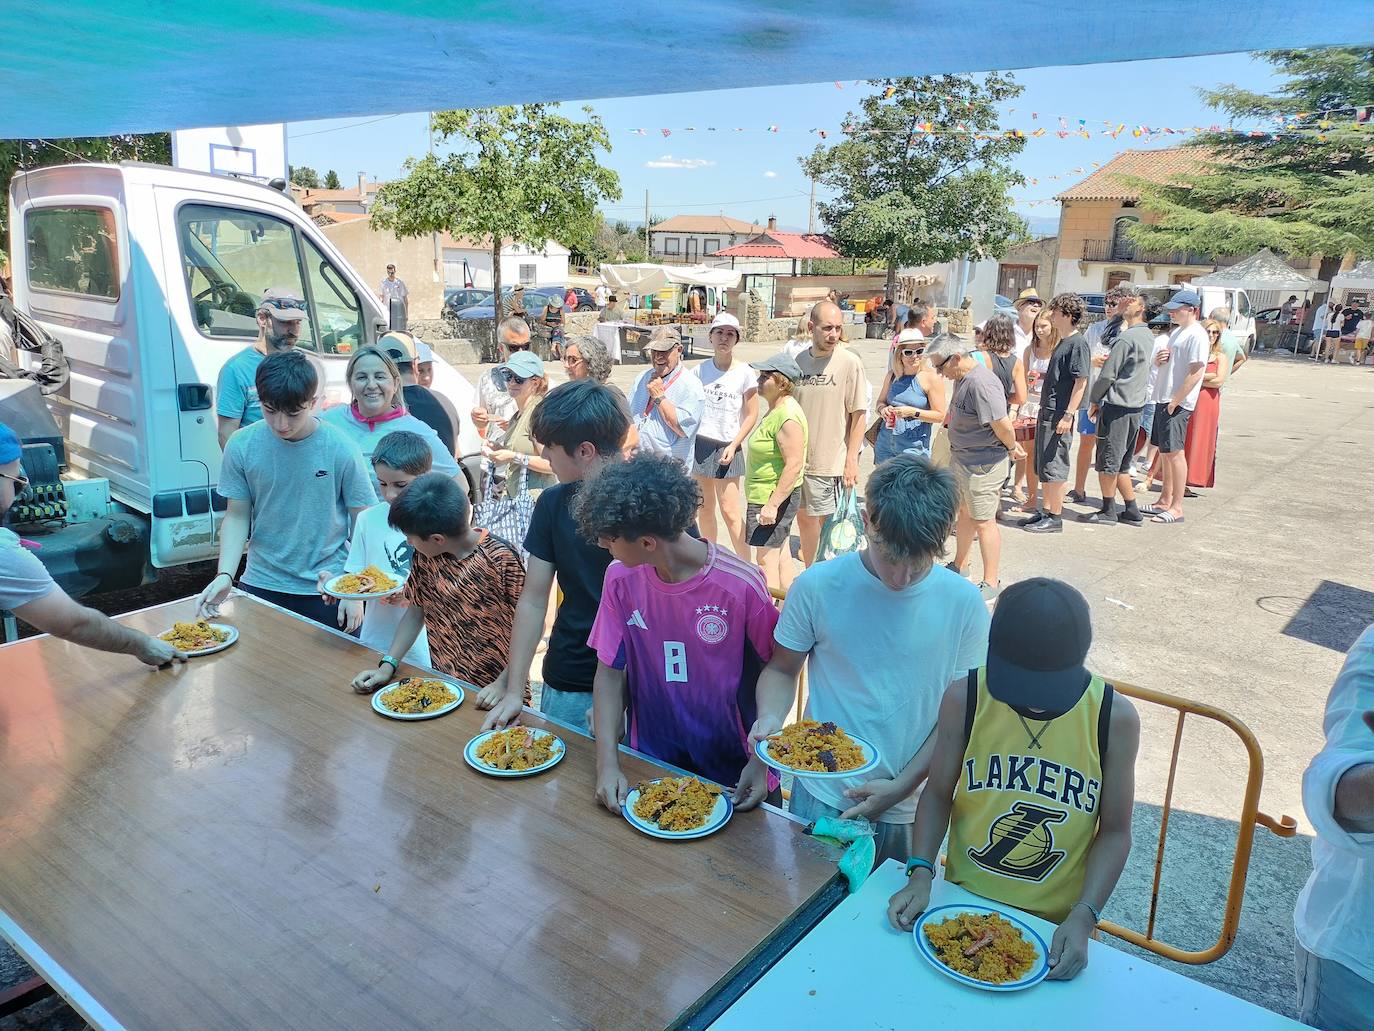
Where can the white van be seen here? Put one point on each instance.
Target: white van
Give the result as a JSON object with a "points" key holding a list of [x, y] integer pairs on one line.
{"points": [[1213, 297], [150, 277]]}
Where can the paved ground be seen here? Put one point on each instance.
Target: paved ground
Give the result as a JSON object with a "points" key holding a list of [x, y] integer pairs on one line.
{"points": [[1248, 606]]}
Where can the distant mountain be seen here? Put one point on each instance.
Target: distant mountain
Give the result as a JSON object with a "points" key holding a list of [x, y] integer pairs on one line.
{"points": [[1042, 225]]}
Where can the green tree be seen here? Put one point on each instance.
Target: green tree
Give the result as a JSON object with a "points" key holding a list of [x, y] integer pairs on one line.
{"points": [[331, 180], [21, 155], [305, 177], [923, 172], [525, 173], [1303, 187]]}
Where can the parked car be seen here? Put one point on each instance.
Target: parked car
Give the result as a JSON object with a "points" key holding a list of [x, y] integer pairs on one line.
{"points": [[535, 300], [585, 300], [456, 298], [1272, 332], [1096, 304]]}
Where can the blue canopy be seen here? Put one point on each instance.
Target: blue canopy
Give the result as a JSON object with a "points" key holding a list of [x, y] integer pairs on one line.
{"points": [[97, 67]]}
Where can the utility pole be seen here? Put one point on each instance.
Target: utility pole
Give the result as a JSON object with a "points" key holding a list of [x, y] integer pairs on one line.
{"points": [[647, 253], [438, 250], [811, 218]]}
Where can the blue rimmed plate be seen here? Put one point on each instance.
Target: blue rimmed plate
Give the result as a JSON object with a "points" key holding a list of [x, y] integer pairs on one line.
{"points": [[1039, 968], [470, 754], [382, 710], [871, 757], [718, 818]]}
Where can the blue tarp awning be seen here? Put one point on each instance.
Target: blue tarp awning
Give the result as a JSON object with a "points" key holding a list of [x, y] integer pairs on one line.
{"points": [[97, 67]]}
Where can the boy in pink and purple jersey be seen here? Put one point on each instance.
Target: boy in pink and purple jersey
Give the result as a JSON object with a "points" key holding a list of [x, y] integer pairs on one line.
{"points": [[682, 632]]}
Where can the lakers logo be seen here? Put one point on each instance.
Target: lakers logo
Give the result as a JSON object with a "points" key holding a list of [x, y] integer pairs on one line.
{"points": [[1021, 844]]}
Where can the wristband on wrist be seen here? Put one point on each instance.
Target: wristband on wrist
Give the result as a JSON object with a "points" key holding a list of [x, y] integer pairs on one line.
{"points": [[1097, 917], [916, 863], [395, 666], [229, 575]]}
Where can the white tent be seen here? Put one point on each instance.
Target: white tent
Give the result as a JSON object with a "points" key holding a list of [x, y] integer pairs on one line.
{"points": [[646, 278], [1262, 271], [1361, 277], [96, 67]]}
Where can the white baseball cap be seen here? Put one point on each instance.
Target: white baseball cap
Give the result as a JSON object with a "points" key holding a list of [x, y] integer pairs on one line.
{"points": [[423, 352], [726, 319]]}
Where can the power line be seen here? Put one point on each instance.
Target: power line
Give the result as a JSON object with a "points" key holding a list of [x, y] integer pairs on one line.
{"points": [[340, 128]]}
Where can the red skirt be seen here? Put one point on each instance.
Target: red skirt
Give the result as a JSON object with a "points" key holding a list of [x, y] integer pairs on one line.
{"points": [[1200, 444]]}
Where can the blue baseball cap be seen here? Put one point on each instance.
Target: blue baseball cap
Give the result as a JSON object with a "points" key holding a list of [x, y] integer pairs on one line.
{"points": [[10, 448], [1182, 298], [524, 364]]}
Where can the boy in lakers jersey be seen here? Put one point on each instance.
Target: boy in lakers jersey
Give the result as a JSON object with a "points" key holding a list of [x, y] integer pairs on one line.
{"points": [[1033, 776]]}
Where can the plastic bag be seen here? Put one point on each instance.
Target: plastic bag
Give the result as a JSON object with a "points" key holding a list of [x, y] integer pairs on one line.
{"points": [[843, 530], [856, 838]]}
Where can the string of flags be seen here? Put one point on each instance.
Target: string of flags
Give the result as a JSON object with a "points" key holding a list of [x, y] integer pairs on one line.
{"points": [[1355, 119]]}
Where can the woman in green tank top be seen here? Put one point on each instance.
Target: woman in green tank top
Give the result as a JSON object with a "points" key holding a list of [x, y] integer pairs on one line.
{"points": [[774, 461]]}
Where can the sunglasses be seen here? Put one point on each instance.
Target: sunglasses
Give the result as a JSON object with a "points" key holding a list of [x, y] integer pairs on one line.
{"points": [[938, 366], [912, 352], [285, 302], [505, 379], [1213, 333], [517, 347]]}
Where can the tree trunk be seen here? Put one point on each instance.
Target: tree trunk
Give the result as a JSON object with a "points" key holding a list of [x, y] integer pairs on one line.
{"points": [[498, 311], [891, 290]]}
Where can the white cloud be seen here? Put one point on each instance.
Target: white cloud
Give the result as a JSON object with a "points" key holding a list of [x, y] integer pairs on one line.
{"points": [[668, 161], [770, 175]]}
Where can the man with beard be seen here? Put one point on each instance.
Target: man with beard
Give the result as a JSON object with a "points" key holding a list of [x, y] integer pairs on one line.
{"points": [[279, 327], [666, 405]]}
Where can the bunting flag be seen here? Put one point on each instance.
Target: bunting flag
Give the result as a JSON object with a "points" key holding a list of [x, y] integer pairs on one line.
{"points": [[887, 93], [1360, 123], [666, 132]]}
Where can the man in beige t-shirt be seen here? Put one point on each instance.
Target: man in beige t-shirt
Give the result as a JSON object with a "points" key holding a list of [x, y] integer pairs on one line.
{"points": [[831, 393]]}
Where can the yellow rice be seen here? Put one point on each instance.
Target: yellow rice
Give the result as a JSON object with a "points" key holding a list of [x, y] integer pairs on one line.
{"points": [[1007, 958]]}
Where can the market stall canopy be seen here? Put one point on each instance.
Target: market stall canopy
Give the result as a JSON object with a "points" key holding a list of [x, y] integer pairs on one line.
{"points": [[97, 67], [1262, 271], [645, 278], [1361, 277]]}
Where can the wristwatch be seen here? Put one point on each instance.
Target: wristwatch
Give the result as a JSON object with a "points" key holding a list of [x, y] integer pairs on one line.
{"points": [[916, 863]]}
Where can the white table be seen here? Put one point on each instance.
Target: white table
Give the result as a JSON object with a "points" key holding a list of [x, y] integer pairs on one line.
{"points": [[609, 335], [853, 963]]}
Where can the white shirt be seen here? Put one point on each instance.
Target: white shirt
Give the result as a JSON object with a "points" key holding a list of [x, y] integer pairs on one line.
{"points": [[1024, 338], [1334, 918], [725, 394], [1187, 347], [1365, 329], [376, 543], [795, 346], [1319, 319], [1161, 342], [602, 295], [881, 660]]}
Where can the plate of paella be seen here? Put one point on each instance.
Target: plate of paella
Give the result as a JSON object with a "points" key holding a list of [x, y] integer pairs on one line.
{"points": [[809, 748], [982, 947], [514, 752], [677, 808], [417, 698], [199, 637], [364, 585]]}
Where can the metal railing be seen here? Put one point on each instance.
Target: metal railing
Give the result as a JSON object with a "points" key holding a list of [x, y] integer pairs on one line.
{"points": [[1125, 250], [1250, 818]]}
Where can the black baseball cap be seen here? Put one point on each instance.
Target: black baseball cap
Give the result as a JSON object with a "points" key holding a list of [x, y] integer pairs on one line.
{"points": [[1040, 635]]}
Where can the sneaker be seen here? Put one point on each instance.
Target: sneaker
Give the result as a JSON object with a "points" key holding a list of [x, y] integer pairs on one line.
{"points": [[989, 591], [1049, 524], [954, 569], [1100, 518], [1031, 520]]}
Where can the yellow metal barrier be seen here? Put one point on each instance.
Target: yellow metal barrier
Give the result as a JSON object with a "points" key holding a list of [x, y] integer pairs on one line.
{"points": [[1250, 818]]}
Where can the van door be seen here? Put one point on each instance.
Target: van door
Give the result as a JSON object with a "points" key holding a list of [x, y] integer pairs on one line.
{"points": [[71, 274], [221, 256], [1242, 318]]}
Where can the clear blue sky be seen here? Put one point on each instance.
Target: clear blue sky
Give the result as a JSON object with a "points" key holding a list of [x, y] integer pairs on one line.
{"points": [[754, 173]]}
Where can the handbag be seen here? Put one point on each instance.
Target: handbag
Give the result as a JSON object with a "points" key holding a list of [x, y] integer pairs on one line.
{"points": [[505, 517], [843, 530], [1023, 427]]}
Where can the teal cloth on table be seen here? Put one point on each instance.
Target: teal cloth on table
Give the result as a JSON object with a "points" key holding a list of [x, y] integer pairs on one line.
{"points": [[856, 838]]}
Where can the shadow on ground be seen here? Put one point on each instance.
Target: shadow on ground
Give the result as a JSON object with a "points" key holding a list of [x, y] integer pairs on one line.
{"points": [[1196, 874]]}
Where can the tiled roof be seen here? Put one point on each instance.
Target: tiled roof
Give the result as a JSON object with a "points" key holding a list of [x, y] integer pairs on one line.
{"points": [[723, 224], [1157, 166], [777, 244]]}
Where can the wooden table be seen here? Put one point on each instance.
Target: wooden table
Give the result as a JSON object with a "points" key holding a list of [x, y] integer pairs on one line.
{"points": [[854, 963], [243, 842]]}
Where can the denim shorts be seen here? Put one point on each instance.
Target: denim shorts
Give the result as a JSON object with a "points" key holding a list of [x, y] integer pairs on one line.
{"points": [[567, 707]]}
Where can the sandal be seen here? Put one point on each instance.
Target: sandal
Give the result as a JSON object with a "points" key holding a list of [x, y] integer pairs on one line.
{"points": [[1165, 517], [1077, 497], [1150, 510]]}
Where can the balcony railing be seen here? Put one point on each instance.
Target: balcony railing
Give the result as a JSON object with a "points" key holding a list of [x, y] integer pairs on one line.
{"points": [[1125, 250]]}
